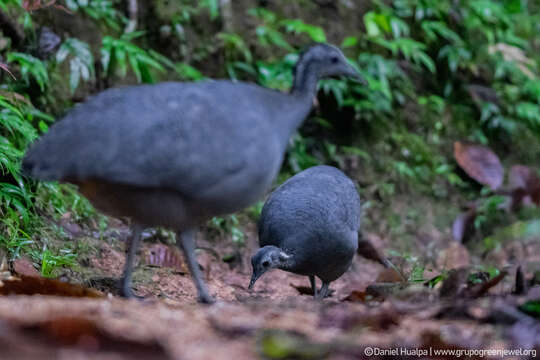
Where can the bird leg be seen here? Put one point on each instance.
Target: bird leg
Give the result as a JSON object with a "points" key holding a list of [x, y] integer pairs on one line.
{"points": [[132, 245], [323, 292], [313, 283], [187, 244]]}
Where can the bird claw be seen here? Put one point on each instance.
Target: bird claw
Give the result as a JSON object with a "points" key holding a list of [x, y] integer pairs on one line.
{"points": [[127, 293], [205, 299]]}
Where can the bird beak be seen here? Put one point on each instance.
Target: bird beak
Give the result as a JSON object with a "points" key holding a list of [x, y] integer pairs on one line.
{"points": [[254, 278], [355, 75]]}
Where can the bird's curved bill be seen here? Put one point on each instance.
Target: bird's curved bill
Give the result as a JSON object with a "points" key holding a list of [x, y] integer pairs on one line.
{"points": [[254, 278], [355, 75]]}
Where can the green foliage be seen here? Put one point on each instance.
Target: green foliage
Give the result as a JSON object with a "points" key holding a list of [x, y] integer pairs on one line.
{"points": [[212, 6], [16, 133], [531, 307], [13, 232], [268, 32], [31, 68], [50, 262], [117, 54], [101, 10], [489, 210], [297, 26], [59, 199], [20, 224], [229, 225], [298, 156], [81, 62], [188, 72], [237, 54]]}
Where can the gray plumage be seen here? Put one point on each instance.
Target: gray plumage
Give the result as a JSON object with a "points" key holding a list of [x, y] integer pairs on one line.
{"points": [[309, 226], [176, 154]]}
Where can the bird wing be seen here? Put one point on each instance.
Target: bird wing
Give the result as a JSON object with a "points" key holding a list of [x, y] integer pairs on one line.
{"points": [[182, 136]]}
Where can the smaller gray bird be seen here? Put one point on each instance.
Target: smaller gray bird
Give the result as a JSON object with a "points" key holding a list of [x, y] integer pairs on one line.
{"points": [[309, 226]]}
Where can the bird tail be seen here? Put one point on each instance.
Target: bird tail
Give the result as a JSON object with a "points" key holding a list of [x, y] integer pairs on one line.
{"points": [[38, 164]]}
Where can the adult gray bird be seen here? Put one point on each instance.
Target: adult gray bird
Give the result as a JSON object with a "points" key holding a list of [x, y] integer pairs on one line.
{"points": [[309, 226], [176, 154]]}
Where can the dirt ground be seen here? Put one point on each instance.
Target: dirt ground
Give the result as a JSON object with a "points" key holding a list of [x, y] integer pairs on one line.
{"points": [[371, 314]]}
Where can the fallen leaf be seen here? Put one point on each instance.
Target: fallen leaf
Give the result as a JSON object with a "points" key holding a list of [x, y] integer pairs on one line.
{"points": [[368, 251], [454, 256], [23, 266], [433, 340], [30, 285], [463, 225], [480, 163], [455, 283], [165, 256], [88, 335], [356, 296], [522, 177], [481, 289], [389, 276], [381, 291]]}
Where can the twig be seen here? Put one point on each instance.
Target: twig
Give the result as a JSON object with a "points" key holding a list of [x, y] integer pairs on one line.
{"points": [[6, 69], [521, 285], [226, 11], [132, 16]]}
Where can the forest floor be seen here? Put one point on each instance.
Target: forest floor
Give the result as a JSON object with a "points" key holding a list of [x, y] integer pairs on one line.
{"points": [[371, 313]]}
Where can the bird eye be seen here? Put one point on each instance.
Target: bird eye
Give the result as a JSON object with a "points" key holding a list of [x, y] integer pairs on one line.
{"points": [[334, 59], [266, 264]]}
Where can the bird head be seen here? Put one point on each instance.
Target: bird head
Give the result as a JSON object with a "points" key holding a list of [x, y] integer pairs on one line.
{"points": [[266, 258], [325, 61]]}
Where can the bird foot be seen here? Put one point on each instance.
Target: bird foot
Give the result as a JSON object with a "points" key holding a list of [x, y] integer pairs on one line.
{"points": [[127, 293], [324, 292], [205, 299]]}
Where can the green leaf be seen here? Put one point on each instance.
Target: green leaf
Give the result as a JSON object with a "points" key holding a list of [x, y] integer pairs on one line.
{"points": [[349, 41], [297, 26], [531, 308]]}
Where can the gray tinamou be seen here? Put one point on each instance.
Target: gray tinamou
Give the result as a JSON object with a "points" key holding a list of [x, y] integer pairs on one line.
{"points": [[309, 226], [176, 154]]}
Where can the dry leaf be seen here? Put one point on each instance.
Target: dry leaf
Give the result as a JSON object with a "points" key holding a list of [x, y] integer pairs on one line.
{"points": [[30, 285], [462, 228], [481, 289], [521, 177], [455, 283], [356, 296], [453, 257], [23, 266], [480, 163], [165, 256], [390, 276], [368, 251]]}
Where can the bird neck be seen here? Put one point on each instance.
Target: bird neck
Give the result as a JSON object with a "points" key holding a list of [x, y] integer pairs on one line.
{"points": [[302, 93], [305, 82], [289, 263]]}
